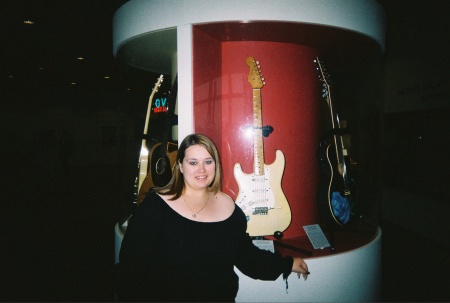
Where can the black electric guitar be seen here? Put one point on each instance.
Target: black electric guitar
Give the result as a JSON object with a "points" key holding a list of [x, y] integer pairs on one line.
{"points": [[162, 155], [335, 189]]}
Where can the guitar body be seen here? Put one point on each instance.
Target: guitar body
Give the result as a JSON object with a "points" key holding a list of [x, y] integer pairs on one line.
{"points": [[160, 165], [334, 192], [262, 199]]}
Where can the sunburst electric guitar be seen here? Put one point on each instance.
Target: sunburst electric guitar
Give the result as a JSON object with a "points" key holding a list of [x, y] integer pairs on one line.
{"points": [[260, 194], [143, 157], [162, 155]]}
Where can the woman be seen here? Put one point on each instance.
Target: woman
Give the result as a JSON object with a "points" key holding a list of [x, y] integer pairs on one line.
{"points": [[184, 239]]}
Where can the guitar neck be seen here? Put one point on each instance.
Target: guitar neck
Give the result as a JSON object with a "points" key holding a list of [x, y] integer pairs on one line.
{"points": [[147, 117], [258, 145], [150, 100], [143, 156], [341, 151], [327, 92], [333, 123], [330, 105]]}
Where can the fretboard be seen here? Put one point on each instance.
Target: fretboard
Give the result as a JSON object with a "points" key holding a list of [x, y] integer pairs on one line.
{"points": [[258, 145]]}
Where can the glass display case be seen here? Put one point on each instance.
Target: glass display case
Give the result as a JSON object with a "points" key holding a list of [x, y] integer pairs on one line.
{"points": [[305, 118], [290, 94]]}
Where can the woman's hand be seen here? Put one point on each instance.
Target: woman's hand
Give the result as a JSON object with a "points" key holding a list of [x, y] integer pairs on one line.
{"points": [[300, 267]]}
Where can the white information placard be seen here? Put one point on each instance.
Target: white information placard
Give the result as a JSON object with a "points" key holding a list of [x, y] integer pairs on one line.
{"points": [[316, 236], [264, 244]]}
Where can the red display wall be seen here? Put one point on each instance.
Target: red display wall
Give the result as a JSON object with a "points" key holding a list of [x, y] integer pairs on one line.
{"points": [[291, 99]]}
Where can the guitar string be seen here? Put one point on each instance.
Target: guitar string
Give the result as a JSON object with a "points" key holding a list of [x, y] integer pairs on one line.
{"points": [[260, 179], [262, 175]]}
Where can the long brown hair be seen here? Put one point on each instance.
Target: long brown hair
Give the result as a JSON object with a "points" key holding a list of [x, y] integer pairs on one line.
{"points": [[176, 184]]}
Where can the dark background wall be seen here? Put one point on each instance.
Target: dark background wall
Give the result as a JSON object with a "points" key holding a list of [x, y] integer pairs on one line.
{"points": [[416, 117]]}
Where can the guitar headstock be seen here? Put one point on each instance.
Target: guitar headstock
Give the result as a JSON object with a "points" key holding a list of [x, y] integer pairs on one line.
{"points": [[324, 77], [158, 83], [322, 71], [254, 76]]}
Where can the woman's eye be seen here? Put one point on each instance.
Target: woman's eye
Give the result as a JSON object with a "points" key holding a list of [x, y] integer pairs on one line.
{"points": [[192, 163], [209, 161]]}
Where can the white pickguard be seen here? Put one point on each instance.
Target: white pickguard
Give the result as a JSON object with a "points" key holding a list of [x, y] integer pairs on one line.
{"points": [[262, 200]]}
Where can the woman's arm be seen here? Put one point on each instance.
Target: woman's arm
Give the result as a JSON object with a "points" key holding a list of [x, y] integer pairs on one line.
{"points": [[137, 257], [262, 264]]}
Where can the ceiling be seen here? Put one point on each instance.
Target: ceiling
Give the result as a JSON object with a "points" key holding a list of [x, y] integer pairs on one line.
{"points": [[59, 53], [40, 66]]}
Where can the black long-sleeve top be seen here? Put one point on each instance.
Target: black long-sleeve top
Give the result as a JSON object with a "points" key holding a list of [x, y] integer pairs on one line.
{"points": [[167, 257]]}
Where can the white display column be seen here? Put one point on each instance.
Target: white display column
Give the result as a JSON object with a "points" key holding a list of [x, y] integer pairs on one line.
{"points": [[199, 39]]}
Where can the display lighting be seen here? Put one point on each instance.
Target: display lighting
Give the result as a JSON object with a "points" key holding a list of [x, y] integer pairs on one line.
{"points": [[248, 131]]}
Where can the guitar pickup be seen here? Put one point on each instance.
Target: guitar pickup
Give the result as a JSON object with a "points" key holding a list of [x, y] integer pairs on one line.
{"points": [[260, 211]]}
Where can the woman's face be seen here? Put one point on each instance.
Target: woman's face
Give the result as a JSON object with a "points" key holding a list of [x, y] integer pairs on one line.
{"points": [[198, 167]]}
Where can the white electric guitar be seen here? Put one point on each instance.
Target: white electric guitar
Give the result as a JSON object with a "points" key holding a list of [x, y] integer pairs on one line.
{"points": [[260, 194]]}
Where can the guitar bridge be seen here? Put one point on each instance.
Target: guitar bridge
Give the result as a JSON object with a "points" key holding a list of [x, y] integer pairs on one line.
{"points": [[260, 211]]}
